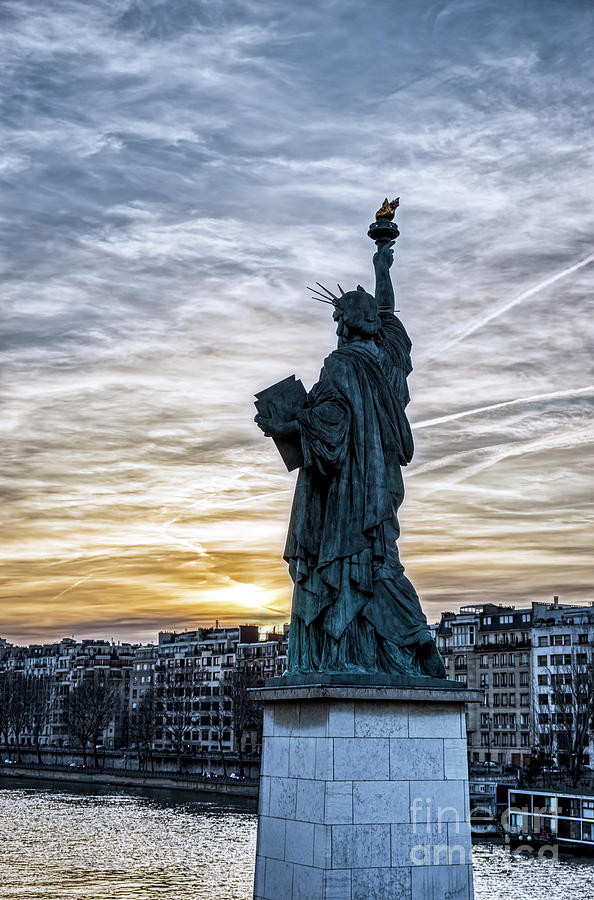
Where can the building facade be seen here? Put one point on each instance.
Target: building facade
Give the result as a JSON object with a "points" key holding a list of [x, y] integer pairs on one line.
{"points": [[486, 646], [563, 682]]}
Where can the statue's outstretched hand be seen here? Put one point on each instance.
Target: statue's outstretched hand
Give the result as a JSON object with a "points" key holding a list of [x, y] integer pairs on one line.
{"points": [[385, 255], [273, 427]]}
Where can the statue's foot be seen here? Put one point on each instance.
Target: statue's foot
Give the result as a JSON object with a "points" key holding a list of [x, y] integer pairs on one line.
{"points": [[431, 661]]}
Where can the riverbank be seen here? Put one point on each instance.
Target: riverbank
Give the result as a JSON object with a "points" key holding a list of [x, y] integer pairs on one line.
{"points": [[219, 786]]}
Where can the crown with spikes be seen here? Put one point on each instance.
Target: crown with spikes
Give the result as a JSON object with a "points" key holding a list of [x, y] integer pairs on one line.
{"points": [[333, 300]]}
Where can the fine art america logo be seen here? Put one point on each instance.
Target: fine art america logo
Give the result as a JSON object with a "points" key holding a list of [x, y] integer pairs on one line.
{"points": [[440, 835]]}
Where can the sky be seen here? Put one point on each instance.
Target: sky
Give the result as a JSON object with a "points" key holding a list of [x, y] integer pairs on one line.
{"points": [[173, 174]]}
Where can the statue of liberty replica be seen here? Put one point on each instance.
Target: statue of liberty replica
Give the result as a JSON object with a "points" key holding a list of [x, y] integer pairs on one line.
{"points": [[354, 610], [364, 729]]}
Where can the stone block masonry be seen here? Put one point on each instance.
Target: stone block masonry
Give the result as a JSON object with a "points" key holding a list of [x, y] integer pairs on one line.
{"points": [[363, 794]]}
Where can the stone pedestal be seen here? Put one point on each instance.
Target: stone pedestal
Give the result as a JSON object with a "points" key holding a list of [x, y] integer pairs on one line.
{"points": [[364, 792]]}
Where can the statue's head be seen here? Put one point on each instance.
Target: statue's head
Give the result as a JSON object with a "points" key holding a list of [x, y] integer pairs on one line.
{"points": [[357, 316]]}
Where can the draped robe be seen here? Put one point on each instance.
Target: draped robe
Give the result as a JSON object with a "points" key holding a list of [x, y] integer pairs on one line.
{"points": [[353, 607]]}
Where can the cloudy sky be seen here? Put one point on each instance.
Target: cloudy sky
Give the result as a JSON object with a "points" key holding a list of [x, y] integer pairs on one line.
{"points": [[174, 172]]}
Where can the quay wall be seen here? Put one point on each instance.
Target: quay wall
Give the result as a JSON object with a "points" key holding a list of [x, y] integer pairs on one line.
{"points": [[229, 788]]}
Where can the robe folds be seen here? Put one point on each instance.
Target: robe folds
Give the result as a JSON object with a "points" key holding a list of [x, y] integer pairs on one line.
{"points": [[353, 607]]}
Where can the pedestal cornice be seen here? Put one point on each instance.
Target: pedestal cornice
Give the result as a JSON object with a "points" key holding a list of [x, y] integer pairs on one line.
{"points": [[316, 686]]}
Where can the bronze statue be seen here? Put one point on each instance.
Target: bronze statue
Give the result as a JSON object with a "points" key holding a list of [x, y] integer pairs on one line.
{"points": [[354, 610]]}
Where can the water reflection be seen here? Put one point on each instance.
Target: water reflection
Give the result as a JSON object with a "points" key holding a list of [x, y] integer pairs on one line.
{"points": [[100, 843], [105, 843], [499, 875]]}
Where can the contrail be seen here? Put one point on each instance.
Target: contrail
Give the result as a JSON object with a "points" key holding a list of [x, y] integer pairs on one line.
{"points": [[80, 581], [548, 442], [535, 398], [523, 296]]}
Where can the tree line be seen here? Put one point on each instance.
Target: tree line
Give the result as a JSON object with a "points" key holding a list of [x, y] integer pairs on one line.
{"points": [[29, 702], [171, 707]]}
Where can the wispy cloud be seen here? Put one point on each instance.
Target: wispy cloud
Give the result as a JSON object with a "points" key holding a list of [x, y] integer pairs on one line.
{"points": [[525, 295], [173, 175]]}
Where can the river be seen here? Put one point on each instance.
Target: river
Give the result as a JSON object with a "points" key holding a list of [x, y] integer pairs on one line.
{"points": [[104, 843]]}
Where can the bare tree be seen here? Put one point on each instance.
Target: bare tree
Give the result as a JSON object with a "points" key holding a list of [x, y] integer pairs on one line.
{"points": [[143, 725], [6, 691], [19, 708], [178, 703], [89, 708], [245, 711], [566, 725], [220, 722], [40, 699]]}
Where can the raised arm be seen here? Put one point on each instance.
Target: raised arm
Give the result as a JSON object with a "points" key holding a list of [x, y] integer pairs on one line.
{"points": [[384, 291]]}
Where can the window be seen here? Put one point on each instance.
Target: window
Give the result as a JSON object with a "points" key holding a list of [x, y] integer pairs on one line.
{"points": [[524, 720], [496, 699], [559, 640], [486, 620], [504, 699], [463, 635], [506, 620], [484, 680], [575, 809], [524, 700], [543, 679], [588, 809], [484, 662], [525, 617], [523, 679], [495, 679], [484, 720], [484, 740], [543, 699], [542, 660], [543, 641], [582, 638], [524, 659], [524, 739], [581, 659], [512, 699], [561, 659]]}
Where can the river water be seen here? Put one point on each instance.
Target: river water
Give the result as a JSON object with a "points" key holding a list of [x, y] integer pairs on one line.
{"points": [[104, 843]]}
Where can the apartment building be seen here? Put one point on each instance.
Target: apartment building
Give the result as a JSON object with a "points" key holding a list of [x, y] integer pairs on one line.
{"points": [[194, 711], [563, 680], [65, 664], [487, 646], [266, 658]]}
